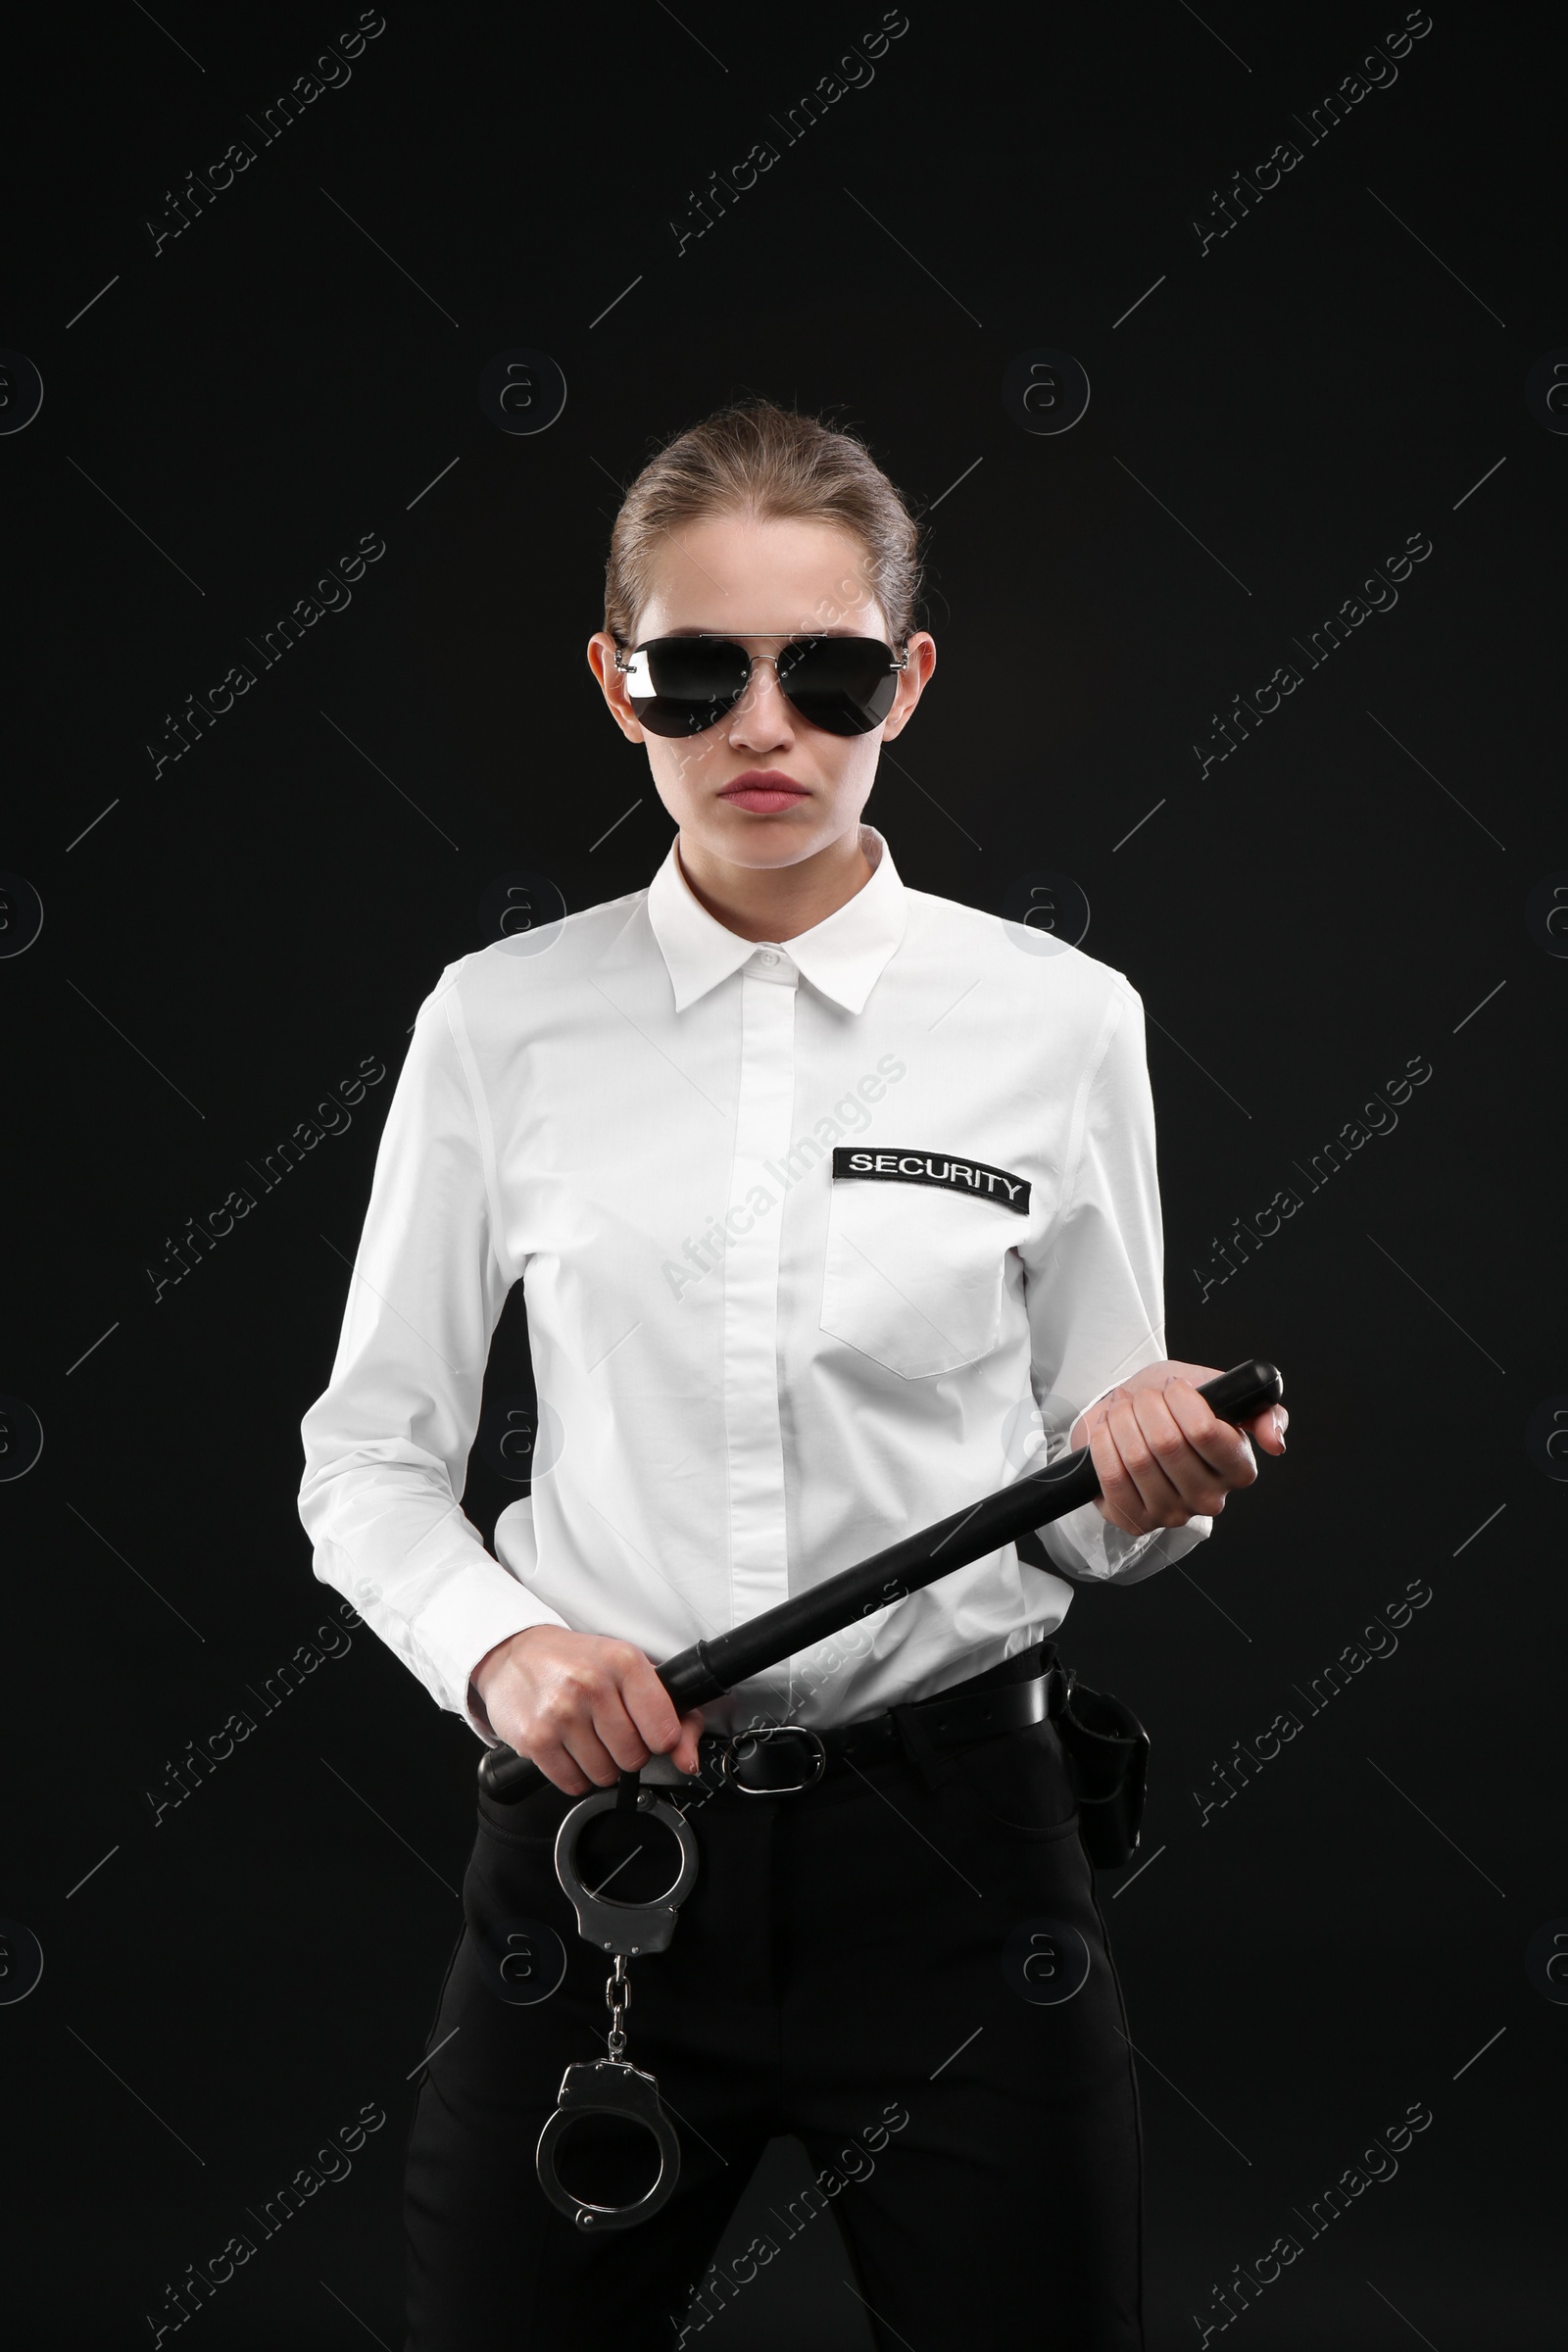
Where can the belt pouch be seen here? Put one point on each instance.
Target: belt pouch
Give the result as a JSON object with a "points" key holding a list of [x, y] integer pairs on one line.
{"points": [[1107, 1750]]}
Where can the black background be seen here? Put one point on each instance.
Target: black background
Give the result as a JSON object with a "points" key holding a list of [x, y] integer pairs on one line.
{"points": [[226, 938]]}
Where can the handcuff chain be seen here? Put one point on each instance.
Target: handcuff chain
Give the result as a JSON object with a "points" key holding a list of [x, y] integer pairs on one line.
{"points": [[617, 2000]]}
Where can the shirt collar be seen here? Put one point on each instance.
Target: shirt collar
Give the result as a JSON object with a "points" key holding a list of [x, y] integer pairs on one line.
{"points": [[842, 956]]}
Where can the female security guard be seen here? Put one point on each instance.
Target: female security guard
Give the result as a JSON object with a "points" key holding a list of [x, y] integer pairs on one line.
{"points": [[834, 1203]]}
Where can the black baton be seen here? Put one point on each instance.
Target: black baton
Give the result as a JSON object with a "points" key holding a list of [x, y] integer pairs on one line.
{"points": [[710, 1668]]}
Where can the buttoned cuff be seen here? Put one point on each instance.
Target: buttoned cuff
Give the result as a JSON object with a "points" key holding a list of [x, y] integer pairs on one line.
{"points": [[462, 1624], [1087, 1548]]}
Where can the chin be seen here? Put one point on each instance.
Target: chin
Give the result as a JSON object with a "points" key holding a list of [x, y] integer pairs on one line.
{"points": [[766, 843]]}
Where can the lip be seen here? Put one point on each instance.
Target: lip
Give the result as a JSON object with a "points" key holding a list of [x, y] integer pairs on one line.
{"points": [[764, 791]]}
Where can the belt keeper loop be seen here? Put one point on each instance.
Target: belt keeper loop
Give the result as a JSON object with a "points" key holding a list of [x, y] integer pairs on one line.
{"points": [[915, 1741]]}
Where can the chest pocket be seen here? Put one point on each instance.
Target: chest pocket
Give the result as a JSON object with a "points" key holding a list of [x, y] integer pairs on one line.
{"points": [[914, 1275]]}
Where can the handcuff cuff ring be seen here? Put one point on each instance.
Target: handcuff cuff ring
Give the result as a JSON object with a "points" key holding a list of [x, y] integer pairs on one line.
{"points": [[607, 2087], [605, 1921]]}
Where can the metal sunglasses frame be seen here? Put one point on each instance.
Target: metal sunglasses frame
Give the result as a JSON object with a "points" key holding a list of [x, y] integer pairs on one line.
{"points": [[789, 637]]}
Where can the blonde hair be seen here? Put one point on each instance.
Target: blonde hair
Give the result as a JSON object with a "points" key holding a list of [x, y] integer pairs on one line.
{"points": [[759, 460]]}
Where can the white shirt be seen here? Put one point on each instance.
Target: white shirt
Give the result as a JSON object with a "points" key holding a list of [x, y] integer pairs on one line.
{"points": [[753, 1371]]}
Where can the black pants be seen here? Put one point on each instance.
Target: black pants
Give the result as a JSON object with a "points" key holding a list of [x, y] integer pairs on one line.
{"points": [[875, 1965]]}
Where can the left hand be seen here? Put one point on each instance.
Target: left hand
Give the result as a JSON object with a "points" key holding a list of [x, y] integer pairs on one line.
{"points": [[1162, 1456]]}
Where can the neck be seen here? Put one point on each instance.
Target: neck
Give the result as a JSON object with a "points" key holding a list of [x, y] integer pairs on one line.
{"points": [[758, 902]]}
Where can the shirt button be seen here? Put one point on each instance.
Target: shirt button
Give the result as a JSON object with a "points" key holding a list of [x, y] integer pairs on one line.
{"points": [[768, 956]]}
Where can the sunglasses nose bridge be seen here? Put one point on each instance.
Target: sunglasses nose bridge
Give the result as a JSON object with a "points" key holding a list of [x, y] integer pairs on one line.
{"points": [[752, 693]]}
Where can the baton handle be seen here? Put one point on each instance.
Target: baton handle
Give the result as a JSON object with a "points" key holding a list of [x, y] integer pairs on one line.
{"points": [[708, 1669]]}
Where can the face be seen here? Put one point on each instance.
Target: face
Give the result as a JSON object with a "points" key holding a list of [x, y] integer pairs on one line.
{"points": [[763, 787]]}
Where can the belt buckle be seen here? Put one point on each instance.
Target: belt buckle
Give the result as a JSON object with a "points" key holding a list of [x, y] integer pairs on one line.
{"points": [[746, 1744]]}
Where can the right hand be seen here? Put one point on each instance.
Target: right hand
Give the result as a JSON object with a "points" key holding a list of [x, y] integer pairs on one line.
{"points": [[584, 1708]]}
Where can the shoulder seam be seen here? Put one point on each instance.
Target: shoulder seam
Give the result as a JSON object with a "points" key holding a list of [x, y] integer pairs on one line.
{"points": [[458, 1031], [1110, 1021]]}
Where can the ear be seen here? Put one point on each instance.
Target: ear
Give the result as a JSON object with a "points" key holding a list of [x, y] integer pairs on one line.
{"points": [[601, 651], [913, 680]]}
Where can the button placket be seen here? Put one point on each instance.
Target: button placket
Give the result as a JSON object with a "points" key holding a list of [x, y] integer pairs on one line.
{"points": [[759, 1577]]}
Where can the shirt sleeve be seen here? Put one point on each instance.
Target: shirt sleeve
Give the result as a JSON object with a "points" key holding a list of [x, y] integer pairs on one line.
{"points": [[1096, 1292], [387, 1442]]}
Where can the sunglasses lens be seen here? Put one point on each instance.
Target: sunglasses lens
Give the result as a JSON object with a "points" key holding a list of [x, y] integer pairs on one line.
{"points": [[844, 685], [682, 685]]}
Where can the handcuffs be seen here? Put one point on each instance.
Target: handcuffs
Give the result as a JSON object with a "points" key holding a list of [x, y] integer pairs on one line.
{"points": [[612, 2086]]}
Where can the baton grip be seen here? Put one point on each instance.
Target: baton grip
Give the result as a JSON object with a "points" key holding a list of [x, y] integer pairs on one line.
{"points": [[708, 1669]]}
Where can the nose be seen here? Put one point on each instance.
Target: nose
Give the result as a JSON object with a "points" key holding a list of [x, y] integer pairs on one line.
{"points": [[761, 720]]}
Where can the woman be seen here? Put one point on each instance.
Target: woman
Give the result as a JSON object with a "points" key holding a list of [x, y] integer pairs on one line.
{"points": [[834, 1203]]}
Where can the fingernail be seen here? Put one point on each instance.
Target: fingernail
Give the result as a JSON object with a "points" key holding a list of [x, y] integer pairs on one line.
{"points": [[1281, 1416]]}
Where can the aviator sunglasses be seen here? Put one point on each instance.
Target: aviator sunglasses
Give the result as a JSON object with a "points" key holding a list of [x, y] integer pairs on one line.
{"points": [[683, 685]]}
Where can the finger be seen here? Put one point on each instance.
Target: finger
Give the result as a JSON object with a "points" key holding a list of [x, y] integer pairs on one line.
{"points": [[1219, 1443], [1199, 1483], [615, 1731], [1265, 1427], [1269, 1429], [1210, 1462], [1119, 1500], [583, 1746], [559, 1767], [691, 1726], [1151, 1447], [648, 1703]]}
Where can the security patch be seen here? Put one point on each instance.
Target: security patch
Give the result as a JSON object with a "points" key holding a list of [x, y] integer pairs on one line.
{"points": [[935, 1167]]}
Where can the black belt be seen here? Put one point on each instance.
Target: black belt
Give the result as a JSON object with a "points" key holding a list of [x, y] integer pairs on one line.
{"points": [[782, 1759]]}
